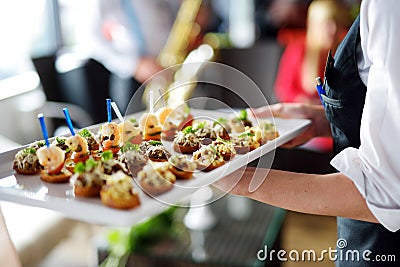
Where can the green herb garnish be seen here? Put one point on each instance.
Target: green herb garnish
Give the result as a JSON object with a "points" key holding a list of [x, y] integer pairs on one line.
{"points": [[155, 143], [215, 151], [129, 146], [41, 143], [85, 133], [29, 150], [60, 140], [107, 155], [79, 167], [242, 115], [188, 130], [90, 164], [224, 140], [245, 134], [133, 120]]}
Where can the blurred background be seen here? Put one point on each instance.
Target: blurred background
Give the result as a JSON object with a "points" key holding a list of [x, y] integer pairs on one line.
{"points": [[75, 54]]}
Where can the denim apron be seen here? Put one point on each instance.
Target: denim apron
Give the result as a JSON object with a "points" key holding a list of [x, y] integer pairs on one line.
{"points": [[344, 101]]}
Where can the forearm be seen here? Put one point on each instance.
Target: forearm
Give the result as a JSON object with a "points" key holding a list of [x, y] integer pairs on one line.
{"points": [[8, 255], [333, 194]]}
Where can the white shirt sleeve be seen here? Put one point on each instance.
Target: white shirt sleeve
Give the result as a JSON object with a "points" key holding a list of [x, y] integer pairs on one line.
{"points": [[375, 166]]}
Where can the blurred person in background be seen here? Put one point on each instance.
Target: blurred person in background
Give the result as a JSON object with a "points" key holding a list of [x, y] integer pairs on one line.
{"points": [[273, 15], [304, 57], [128, 35]]}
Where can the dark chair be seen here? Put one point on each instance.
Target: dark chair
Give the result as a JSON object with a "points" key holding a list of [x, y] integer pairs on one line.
{"points": [[85, 85]]}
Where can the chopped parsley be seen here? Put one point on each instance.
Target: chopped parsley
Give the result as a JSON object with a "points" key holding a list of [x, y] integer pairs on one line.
{"points": [[223, 140], [215, 151], [155, 143], [79, 167], [133, 120], [29, 150], [129, 146], [107, 155], [245, 134], [41, 143], [242, 115], [85, 133], [90, 164], [188, 130], [60, 140]]}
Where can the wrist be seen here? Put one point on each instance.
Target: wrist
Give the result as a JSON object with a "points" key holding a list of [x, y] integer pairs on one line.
{"points": [[322, 125]]}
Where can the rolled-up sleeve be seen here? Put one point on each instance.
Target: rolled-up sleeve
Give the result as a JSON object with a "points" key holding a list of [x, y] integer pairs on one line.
{"points": [[375, 166]]}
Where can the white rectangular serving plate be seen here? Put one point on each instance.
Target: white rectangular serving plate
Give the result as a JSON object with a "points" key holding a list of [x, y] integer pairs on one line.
{"points": [[32, 191]]}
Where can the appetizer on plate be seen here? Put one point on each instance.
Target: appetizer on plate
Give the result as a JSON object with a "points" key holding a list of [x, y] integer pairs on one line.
{"points": [[182, 167], [168, 123], [112, 165], [263, 132], [52, 159], [220, 131], [135, 160], [110, 137], [186, 141], [238, 123], [204, 131], [207, 158], [88, 178], [155, 151], [181, 116], [268, 131], [61, 142], [156, 178], [150, 127], [79, 148], [224, 123], [245, 142], [26, 160], [91, 140], [130, 131], [158, 153], [225, 148], [119, 192]]}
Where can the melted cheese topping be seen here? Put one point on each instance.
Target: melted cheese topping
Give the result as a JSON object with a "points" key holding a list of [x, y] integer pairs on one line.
{"points": [[207, 155], [120, 186], [224, 147], [95, 177], [157, 174], [182, 163], [25, 160], [189, 139]]}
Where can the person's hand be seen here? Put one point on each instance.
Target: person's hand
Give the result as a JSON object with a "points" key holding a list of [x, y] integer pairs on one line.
{"points": [[146, 68], [319, 124]]}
